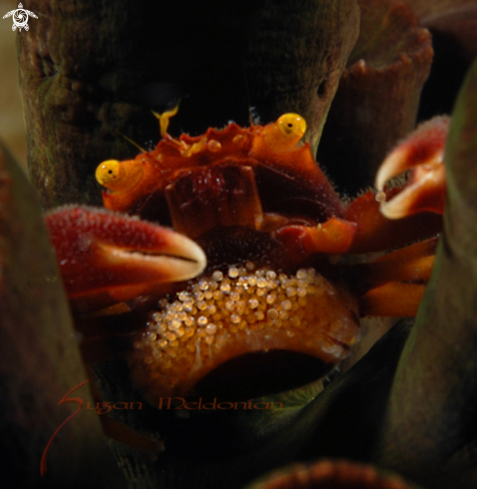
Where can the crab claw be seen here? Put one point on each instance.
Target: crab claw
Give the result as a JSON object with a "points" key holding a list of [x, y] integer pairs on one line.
{"points": [[422, 153], [106, 257]]}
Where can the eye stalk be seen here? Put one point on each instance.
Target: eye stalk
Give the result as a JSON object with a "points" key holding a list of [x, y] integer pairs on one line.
{"points": [[119, 175], [285, 133]]}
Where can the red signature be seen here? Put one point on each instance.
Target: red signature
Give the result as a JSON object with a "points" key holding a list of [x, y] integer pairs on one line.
{"points": [[65, 399]]}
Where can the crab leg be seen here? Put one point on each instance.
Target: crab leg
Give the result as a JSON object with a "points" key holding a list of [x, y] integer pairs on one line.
{"points": [[412, 264], [333, 236], [375, 232], [395, 299], [388, 278], [106, 258]]}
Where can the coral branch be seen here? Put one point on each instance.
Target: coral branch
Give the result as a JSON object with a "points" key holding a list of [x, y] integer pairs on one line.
{"points": [[431, 425]]}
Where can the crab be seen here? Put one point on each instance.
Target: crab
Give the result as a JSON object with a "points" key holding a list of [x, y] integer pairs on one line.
{"points": [[265, 266]]}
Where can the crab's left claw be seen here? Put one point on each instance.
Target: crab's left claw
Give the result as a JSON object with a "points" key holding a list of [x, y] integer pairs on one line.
{"points": [[422, 155], [107, 258]]}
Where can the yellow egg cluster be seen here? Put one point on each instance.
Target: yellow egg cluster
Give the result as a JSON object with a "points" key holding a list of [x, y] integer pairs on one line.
{"points": [[238, 311]]}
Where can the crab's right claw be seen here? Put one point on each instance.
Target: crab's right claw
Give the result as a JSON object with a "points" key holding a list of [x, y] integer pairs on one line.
{"points": [[421, 154], [107, 258]]}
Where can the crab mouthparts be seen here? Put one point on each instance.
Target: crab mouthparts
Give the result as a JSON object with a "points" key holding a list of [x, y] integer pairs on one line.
{"points": [[246, 323]]}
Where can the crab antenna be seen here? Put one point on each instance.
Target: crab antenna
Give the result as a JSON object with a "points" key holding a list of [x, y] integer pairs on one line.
{"points": [[164, 120], [132, 142]]}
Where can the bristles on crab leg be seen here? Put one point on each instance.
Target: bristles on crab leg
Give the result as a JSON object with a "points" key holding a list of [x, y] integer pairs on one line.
{"points": [[422, 153]]}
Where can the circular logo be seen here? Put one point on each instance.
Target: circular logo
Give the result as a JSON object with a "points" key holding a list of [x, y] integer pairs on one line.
{"points": [[20, 17]]}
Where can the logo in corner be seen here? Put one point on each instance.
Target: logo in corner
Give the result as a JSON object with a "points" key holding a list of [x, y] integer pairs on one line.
{"points": [[20, 17]]}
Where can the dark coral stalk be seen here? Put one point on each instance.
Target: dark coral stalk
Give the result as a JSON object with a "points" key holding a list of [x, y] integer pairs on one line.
{"points": [[386, 69], [431, 427], [39, 355]]}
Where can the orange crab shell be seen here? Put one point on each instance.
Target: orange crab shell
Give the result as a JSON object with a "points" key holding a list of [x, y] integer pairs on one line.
{"points": [[220, 151], [243, 177]]}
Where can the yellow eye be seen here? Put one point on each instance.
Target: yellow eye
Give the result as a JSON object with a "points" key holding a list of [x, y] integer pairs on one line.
{"points": [[293, 126], [108, 171], [285, 133], [119, 175]]}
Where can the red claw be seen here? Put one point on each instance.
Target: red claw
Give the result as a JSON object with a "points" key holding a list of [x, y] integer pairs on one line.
{"points": [[106, 257], [422, 153]]}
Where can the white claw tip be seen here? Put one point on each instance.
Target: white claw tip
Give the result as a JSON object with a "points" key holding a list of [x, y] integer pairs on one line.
{"points": [[380, 196]]}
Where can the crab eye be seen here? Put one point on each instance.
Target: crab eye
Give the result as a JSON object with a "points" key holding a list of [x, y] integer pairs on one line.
{"points": [[293, 126], [285, 133], [108, 171], [119, 175]]}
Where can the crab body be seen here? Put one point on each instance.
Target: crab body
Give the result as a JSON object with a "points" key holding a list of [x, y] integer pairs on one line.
{"points": [[276, 273]]}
